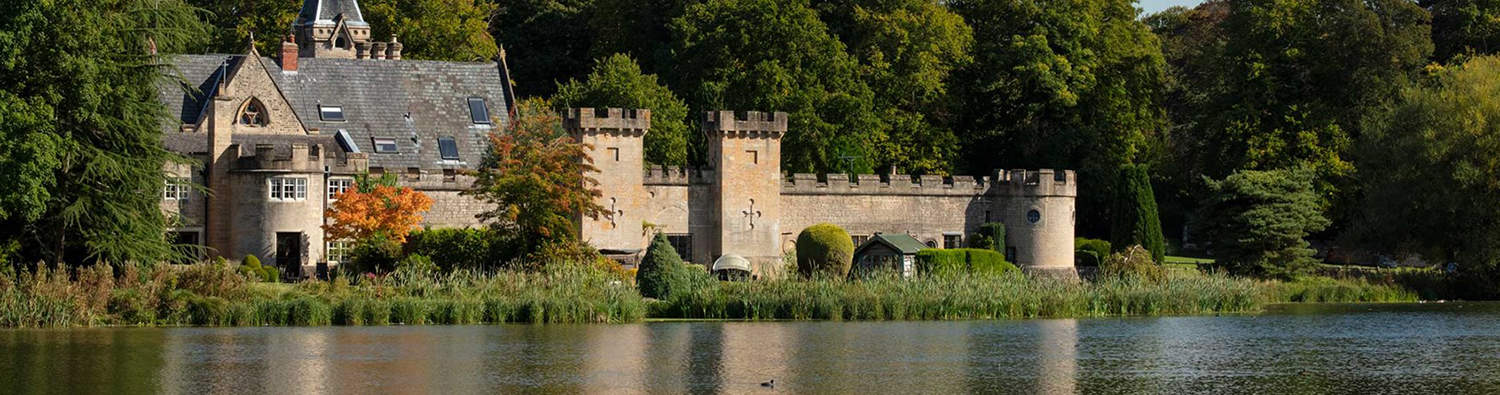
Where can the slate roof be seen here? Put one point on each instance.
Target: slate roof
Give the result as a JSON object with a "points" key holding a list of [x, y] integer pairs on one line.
{"points": [[324, 11], [899, 242], [414, 102]]}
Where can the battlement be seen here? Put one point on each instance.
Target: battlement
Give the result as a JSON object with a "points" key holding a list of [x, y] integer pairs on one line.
{"points": [[296, 157], [662, 175], [897, 184], [1042, 182], [607, 120], [748, 123]]}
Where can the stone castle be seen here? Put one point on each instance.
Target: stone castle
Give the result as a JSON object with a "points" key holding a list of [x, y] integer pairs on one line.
{"points": [[280, 136]]}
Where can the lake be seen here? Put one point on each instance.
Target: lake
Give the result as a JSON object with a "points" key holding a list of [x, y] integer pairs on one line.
{"points": [[1424, 348]]}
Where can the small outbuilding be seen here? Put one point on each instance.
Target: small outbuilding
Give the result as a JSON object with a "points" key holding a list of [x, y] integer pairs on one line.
{"points": [[732, 268], [888, 252]]}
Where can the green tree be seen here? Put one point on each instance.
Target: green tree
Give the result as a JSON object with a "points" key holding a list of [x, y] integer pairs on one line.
{"points": [[655, 277], [1061, 84], [549, 40], [456, 30], [81, 126], [536, 178], [1135, 218], [775, 55], [907, 51], [617, 82], [1461, 27], [824, 250], [1436, 184], [1257, 221], [233, 22]]}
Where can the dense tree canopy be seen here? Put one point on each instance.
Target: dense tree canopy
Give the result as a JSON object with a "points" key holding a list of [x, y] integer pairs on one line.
{"points": [[434, 29], [1257, 222], [617, 82], [1436, 185], [1462, 27], [548, 41], [774, 55], [80, 126]]}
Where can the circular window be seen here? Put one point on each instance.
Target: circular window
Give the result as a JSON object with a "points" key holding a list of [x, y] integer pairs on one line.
{"points": [[1034, 216]]}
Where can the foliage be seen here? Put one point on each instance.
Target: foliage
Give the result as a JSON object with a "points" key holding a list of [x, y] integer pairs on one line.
{"points": [[454, 30], [1135, 217], [80, 126], [384, 211], [995, 231], [962, 261], [537, 178], [907, 51], [661, 263], [234, 22], [1060, 84], [551, 36], [1092, 251], [824, 250], [616, 81], [1436, 184], [772, 55], [373, 255], [252, 268], [460, 249], [1463, 27], [1135, 262], [1257, 222]]}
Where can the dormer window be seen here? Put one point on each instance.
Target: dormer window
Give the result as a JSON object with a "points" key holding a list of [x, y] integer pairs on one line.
{"points": [[331, 113], [384, 145], [478, 112], [254, 114]]}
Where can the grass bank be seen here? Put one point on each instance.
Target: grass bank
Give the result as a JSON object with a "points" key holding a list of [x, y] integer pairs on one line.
{"points": [[1011, 296], [215, 295]]}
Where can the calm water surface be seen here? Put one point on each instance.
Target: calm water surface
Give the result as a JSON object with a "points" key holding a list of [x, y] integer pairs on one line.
{"points": [[1432, 348]]}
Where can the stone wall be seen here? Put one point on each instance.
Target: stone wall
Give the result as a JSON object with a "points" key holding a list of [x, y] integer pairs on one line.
{"points": [[449, 208], [614, 140]]}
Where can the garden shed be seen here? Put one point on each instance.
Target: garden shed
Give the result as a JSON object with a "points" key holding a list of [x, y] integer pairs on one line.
{"points": [[888, 252]]}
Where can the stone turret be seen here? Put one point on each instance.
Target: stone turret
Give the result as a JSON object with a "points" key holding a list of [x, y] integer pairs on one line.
{"points": [[1038, 209], [745, 150], [614, 137]]}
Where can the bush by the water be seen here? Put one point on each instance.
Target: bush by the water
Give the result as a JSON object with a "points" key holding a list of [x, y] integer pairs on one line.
{"points": [[958, 261], [662, 271], [251, 266], [991, 236], [824, 250], [453, 249], [1134, 262], [1091, 252]]}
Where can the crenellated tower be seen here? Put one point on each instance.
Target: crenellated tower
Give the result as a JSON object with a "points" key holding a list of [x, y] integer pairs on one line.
{"points": [[1037, 207], [745, 150], [614, 137], [337, 29]]}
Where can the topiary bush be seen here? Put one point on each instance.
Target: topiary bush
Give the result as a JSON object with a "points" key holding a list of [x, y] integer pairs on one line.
{"points": [[988, 263], [824, 250], [1091, 252], [657, 269]]}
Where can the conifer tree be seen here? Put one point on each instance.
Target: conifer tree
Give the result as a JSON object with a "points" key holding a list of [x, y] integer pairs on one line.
{"points": [[1135, 216], [654, 277]]}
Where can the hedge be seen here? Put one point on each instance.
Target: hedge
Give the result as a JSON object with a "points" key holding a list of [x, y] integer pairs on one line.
{"points": [[962, 261]]}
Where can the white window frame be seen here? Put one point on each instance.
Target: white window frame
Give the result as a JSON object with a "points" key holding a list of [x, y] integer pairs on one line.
{"points": [[286, 189], [175, 190], [338, 251], [376, 141], [338, 185]]}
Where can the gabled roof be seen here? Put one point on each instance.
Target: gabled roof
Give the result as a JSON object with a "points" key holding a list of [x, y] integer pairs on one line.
{"points": [[899, 242], [326, 11], [414, 102]]}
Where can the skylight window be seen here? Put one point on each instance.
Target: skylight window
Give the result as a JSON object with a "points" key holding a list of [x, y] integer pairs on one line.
{"points": [[448, 148], [478, 112], [385, 145], [331, 113]]}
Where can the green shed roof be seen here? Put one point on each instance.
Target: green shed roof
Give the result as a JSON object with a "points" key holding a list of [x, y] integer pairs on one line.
{"points": [[899, 242]]}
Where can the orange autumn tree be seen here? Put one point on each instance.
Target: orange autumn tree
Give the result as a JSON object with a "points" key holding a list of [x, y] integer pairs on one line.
{"points": [[376, 209], [536, 177]]}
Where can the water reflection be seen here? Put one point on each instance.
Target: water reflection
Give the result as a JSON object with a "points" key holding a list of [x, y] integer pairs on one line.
{"points": [[1441, 350]]}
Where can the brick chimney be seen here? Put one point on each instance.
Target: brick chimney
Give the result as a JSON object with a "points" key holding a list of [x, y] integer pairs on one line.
{"points": [[393, 51], [289, 54]]}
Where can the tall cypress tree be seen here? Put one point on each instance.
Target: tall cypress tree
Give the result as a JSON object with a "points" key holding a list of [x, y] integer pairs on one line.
{"points": [[1135, 218], [81, 124]]}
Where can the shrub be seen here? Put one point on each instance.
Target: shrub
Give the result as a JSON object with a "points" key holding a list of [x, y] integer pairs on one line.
{"points": [[1091, 252], [270, 274], [208, 311], [1258, 221], [309, 311], [251, 261], [995, 233], [658, 268], [824, 250], [1135, 262], [957, 261], [374, 255], [474, 249]]}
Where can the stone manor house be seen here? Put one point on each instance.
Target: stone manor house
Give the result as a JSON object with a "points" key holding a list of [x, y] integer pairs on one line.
{"points": [[279, 137]]}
